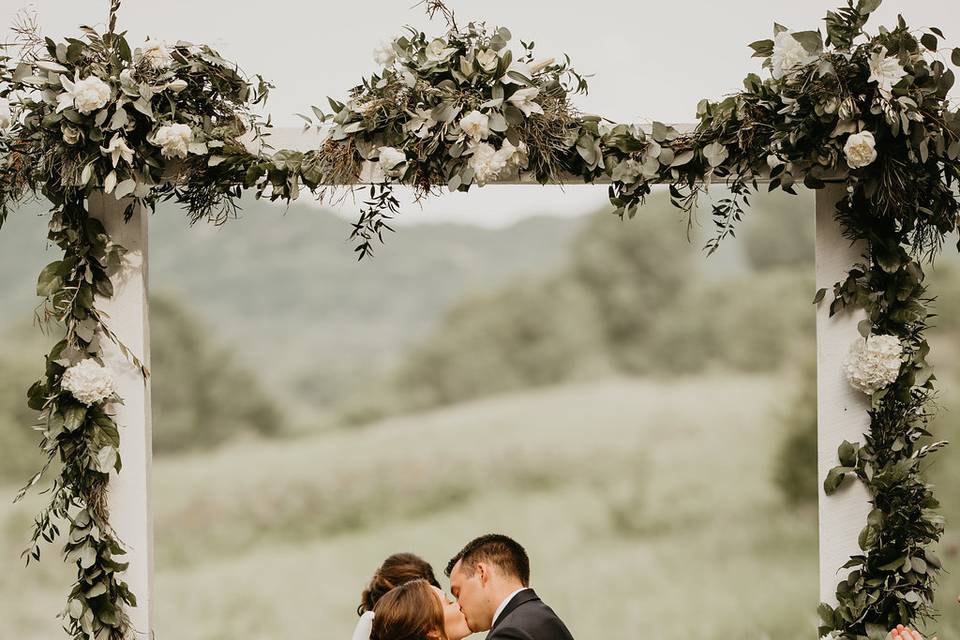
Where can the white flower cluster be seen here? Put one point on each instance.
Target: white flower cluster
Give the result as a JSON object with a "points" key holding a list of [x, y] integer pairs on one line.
{"points": [[174, 140], [788, 54], [87, 95], [874, 363], [88, 382]]}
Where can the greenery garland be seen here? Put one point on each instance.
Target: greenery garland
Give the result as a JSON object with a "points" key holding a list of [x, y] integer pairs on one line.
{"points": [[869, 111], [83, 116]]}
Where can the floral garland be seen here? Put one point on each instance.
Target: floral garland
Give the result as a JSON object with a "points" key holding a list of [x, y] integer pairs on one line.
{"points": [[83, 116], [869, 111], [161, 122]]}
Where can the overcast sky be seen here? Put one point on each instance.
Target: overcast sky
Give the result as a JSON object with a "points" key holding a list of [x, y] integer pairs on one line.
{"points": [[651, 60]]}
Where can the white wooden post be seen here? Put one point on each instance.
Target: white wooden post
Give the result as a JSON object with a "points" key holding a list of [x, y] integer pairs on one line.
{"points": [[128, 317], [841, 410]]}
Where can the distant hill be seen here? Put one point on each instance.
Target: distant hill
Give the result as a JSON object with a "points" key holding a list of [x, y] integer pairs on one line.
{"points": [[283, 283]]}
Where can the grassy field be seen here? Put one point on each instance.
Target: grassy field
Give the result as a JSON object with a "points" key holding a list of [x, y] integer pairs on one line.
{"points": [[641, 503]]}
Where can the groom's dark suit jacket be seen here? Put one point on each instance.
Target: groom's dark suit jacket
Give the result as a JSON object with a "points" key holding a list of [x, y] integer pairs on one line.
{"points": [[526, 617]]}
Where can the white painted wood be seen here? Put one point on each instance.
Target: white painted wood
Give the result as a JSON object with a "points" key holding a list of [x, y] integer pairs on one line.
{"points": [[841, 410], [127, 311]]}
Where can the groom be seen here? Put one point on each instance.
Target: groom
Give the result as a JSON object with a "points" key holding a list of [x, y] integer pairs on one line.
{"points": [[490, 578]]}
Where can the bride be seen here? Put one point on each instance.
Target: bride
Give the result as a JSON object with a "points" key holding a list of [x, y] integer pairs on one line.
{"points": [[418, 610], [398, 570]]}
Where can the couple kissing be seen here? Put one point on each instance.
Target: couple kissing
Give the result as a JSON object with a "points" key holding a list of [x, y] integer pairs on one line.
{"points": [[490, 585]]}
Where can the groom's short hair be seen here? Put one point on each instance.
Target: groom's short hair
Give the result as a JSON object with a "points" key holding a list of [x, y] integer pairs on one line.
{"points": [[498, 550]]}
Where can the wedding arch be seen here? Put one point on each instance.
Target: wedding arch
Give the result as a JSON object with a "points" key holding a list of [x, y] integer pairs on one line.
{"points": [[104, 131]]}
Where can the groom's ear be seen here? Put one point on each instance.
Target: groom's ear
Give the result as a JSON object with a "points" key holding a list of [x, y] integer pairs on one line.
{"points": [[483, 572]]}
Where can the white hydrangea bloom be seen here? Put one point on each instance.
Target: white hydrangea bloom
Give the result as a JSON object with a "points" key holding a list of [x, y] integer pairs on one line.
{"points": [[486, 162], [156, 54], [6, 117], [86, 95], [874, 363], [788, 54], [885, 71], [88, 382], [860, 149], [476, 125], [174, 140]]}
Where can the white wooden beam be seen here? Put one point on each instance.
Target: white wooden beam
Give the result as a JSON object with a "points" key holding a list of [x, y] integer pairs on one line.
{"points": [[841, 410], [128, 317]]}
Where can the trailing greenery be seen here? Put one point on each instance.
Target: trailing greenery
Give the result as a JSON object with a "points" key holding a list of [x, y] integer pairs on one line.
{"points": [[92, 115], [867, 111]]}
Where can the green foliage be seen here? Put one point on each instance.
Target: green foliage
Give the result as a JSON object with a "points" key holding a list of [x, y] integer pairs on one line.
{"points": [[795, 472], [527, 334], [707, 325], [780, 233], [634, 273], [202, 396]]}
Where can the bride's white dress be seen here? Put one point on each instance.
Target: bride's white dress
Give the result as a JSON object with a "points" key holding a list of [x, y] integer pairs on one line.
{"points": [[364, 626]]}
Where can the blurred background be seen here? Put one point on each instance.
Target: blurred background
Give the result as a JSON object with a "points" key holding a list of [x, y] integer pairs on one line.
{"points": [[639, 416]]}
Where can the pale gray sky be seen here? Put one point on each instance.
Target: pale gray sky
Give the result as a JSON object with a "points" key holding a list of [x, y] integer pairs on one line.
{"points": [[651, 60]]}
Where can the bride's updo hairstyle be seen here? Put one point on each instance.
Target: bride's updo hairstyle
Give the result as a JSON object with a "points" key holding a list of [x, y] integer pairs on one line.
{"points": [[396, 570], [411, 611]]}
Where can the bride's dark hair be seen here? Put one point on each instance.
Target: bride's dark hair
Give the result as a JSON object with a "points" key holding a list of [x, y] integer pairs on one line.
{"points": [[398, 569], [411, 611]]}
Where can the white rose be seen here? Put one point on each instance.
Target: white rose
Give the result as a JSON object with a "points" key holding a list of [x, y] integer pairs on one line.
{"points": [[874, 363], [486, 163], [437, 51], [384, 55], [86, 95], [488, 60], [156, 55], [174, 140], [476, 125], [371, 173], [885, 71], [392, 161], [118, 149], [523, 99], [788, 54], [860, 149], [88, 382], [6, 117]]}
